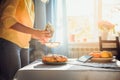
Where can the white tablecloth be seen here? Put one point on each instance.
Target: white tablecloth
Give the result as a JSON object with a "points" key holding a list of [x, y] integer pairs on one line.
{"points": [[73, 70]]}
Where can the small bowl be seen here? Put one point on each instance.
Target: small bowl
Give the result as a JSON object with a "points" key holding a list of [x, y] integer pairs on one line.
{"points": [[52, 44]]}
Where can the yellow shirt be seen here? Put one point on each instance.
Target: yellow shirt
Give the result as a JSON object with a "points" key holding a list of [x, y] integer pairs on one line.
{"points": [[13, 11]]}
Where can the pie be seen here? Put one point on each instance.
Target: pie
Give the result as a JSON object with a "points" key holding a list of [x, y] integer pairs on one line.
{"points": [[54, 58]]}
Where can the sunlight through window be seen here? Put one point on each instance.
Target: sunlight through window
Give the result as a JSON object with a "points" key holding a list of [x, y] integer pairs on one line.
{"points": [[83, 17], [81, 20]]}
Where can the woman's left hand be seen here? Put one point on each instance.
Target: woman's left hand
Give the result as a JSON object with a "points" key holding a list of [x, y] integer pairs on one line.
{"points": [[42, 35]]}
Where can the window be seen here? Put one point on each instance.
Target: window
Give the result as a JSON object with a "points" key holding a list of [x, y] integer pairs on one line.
{"points": [[83, 16]]}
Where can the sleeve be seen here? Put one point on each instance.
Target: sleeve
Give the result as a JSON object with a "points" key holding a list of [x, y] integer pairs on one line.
{"points": [[8, 17]]}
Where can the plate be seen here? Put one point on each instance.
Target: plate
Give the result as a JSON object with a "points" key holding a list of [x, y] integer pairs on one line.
{"points": [[54, 63], [102, 60]]}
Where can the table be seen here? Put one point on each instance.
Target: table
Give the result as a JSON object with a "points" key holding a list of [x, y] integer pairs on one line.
{"points": [[73, 70]]}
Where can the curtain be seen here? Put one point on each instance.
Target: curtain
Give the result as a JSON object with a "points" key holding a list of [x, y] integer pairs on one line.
{"points": [[56, 15], [37, 50]]}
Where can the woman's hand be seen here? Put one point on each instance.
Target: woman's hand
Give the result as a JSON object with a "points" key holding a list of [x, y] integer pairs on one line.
{"points": [[42, 35]]}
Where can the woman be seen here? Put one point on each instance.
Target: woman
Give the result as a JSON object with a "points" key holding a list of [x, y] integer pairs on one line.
{"points": [[16, 30]]}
